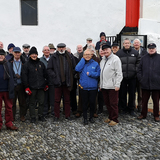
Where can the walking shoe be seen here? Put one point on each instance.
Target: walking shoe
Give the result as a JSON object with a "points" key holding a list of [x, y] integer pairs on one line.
{"points": [[157, 119], [85, 122], [107, 120], [100, 111], [95, 115], [78, 115], [13, 128], [112, 123], [91, 120], [22, 119], [132, 113], [141, 117], [56, 119], [69, 118], [42, 118], [33, 120]]}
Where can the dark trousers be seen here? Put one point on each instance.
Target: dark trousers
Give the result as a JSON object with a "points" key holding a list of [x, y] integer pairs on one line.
{"points": [[37, 94], [88, 97], [127, 85], [155, 97], [139, 93], [49, 101], [100, 101], [110, 97], [4, 96], [79, 109], [59, 91], [19, 94]]}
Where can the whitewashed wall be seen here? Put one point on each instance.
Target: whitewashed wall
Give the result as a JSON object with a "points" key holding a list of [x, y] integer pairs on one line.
{"points": [[149, 24], [68, 21]]}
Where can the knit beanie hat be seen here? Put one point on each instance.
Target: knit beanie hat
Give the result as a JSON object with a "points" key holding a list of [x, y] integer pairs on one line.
{"points": [[11, 45], [102, 34], [2, 52], [33, 50]]}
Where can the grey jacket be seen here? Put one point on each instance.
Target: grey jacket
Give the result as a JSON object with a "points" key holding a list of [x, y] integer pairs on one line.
{"points": [[111, 72]]}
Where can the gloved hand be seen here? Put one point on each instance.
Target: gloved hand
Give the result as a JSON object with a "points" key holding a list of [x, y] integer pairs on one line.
{"points": [[28, 91], [46, 88]]}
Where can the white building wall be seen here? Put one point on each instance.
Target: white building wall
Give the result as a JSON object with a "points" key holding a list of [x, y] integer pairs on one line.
{"points": [[65, 21], [149, 23]]}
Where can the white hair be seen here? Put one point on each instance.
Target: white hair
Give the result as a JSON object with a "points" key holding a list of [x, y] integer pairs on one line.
{"points": [[44, 47], [136, 40]]}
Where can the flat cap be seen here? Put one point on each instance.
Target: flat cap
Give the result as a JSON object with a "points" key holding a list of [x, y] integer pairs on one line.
{"points": [[51, 46], [61, 45], [103, 42], [89, 39], [115, 44], [26, 46], [107, 45], [16, 49], [152, 46]]}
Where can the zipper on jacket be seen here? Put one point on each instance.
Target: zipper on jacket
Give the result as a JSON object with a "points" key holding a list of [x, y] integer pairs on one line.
{"points": [[102, 70], [127, 65]]}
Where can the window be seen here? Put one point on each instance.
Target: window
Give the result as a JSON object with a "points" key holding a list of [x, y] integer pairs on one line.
{"points": [[29, 12]]}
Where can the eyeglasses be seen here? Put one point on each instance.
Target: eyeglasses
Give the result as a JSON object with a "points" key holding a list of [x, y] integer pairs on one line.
{"points": [[87, 54]]}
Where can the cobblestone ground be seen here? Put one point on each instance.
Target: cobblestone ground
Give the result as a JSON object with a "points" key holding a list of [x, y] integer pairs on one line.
{"points": [[66, 140]]}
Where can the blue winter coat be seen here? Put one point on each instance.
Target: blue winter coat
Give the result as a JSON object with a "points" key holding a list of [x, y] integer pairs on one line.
{"points": [[88, 82]]}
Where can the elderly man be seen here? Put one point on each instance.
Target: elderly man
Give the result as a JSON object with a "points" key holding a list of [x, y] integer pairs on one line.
{"points": [[149, 77], [142, 51], [17, 61], [130, 60], [60, 70], [6, 91], [79, 53], [10, 51], [52, 48], [110, 80], [115, 48], [88, 40], [35, 79], [49, 94], [1, 45], [25, 54]]}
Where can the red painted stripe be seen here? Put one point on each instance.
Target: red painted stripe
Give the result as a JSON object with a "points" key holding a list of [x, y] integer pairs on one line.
{"points": [[132, 13]]}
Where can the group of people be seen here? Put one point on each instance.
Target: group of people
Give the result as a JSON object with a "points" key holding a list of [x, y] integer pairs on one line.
{"points": [[101, 74]]}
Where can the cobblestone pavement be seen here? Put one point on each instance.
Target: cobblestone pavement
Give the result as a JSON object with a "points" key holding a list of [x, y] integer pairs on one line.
{"points": [[65, 140]]}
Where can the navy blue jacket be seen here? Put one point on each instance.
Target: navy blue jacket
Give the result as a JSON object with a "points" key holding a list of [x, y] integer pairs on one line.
{"points": [[149, 72], [88, 82]]}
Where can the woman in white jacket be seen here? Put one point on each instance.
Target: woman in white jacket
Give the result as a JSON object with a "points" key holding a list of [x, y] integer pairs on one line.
{"points": [[110, 80]]}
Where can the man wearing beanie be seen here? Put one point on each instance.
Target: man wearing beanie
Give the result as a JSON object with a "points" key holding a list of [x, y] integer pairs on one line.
{"points": [[6, 91], [102, 38], [10, 51], [34, 78], [60, 71]]}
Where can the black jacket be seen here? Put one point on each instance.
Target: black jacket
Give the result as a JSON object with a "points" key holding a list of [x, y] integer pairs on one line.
{"points": [[149, 72], [53, 69], [34, 74], [25, 57], [130, 60]]}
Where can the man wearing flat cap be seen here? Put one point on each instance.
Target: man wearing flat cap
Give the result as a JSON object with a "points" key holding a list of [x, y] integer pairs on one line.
{"points": [[149, 78], [115, 47], [88, 40], [6, 91], [17, 61], [52, 48], [25, 54], [60, 71], [110, 80]]}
